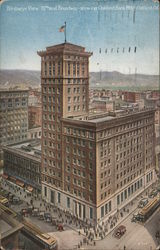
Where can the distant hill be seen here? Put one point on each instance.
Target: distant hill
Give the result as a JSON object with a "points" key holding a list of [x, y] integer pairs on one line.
{"points": [[118, 80], [103, 79], [27, 78]]}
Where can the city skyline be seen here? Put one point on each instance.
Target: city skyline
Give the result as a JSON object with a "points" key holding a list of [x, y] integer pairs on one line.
{"points": [[111, 30]]}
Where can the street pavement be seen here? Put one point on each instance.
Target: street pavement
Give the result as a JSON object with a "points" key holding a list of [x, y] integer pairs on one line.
{"points": [[137, 237]]}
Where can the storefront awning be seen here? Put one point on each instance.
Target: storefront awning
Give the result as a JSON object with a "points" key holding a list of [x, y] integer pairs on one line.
{"points": [[30, 189], [5, 176], [20, 183], [12, 178]]}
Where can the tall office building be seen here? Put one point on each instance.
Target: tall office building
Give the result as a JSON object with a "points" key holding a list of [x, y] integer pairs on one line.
{"points": [[13, 116], [91, 166]]}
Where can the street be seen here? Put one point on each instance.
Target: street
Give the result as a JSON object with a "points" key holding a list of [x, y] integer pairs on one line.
{"points": [[137, 236]]}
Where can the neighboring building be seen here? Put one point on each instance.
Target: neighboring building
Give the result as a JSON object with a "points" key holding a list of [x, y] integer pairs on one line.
{"points": [[34, 97], [151, 102], [103, 105], [34, 116], [13, 116], [9, 230], [22, 164], [34, 133], [91, 166], [131, 96], [157, 150], [155, 94], [157, 115]]}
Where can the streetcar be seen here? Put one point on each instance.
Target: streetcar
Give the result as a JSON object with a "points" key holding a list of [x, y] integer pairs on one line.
{"points": [[4, 201], [148, 209]]}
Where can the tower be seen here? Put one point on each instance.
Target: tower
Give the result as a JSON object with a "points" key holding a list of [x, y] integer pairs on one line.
{"points": [[65, 93]]}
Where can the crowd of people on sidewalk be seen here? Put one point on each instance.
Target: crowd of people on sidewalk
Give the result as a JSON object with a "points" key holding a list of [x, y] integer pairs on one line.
{"points": [[91, 231]]}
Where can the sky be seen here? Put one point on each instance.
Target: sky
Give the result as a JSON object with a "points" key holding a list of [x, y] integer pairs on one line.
{"points": [[111, 29]]}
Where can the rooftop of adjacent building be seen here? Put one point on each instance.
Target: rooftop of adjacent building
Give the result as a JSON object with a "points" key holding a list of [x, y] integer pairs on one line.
{"points": [[10, 90], [8, 224], [29, 148], [101, 117]]}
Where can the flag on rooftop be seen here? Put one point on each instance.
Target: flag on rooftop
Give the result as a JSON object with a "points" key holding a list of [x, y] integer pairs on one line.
{"points": [[61, 29]]}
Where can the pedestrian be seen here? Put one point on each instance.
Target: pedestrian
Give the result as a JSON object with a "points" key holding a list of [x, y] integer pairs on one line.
{"points": [[124, 247]]}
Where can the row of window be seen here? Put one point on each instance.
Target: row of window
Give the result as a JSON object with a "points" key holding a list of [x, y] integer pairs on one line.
{"points": [[109, 132], [106, 209], [78, 162], [75, 99], [79, 132], [127, 192], [76, 108], [68, 168], [52, 127]]}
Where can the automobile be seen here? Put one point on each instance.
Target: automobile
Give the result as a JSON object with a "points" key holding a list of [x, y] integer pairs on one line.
{"points": [[54, 221], [24, 211], [35, 212], [41, 215], [120, 231], [135, 217], [47, 217], [142, 203], [16, 200], [60, 227], [10, 197], [153, 193]]}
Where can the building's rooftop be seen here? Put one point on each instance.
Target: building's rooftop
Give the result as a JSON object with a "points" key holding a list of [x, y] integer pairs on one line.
{"points": [[4, 226], [31, 148], [8, 224], [8, 90], [67, 47], [102, 119], [107, 117]]}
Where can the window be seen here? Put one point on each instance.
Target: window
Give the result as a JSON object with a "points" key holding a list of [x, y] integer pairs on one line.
{"points": [[121, 197], [68, 202], [59, 67], [59, 198], [91, 212], [110, 207], [52, 196], [45, 191], [68, 68], [77, 69], [102, 211], [118, 200], [53, 68], [74, 69]]}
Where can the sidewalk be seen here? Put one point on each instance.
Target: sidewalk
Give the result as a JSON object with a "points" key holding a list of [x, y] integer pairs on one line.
{"points": [[90, 234]]}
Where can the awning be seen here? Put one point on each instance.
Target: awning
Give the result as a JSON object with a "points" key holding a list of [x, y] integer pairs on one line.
{"points": [[5, 176], [30, 189], [20, 183], [12, 178]]}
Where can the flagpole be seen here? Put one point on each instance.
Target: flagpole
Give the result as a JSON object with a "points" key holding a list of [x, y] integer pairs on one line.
{"points": [[65, 33]]}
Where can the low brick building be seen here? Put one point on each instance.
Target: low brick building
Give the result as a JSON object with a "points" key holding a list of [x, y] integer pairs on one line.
{"points": [[22, 164]]}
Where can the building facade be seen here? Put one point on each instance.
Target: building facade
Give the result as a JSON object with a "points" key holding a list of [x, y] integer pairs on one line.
{"points": [[22, 164], [131, 96], [91, 166], [13, 116], [34, 133], [34, 116]]}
